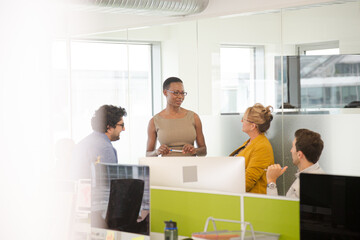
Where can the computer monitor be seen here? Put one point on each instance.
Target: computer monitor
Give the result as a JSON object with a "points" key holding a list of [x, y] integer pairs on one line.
{"points": [[120, 202], [219, 174], [329, 207]]}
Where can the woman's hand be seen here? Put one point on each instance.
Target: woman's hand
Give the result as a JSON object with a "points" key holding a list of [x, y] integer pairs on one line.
{"points": [[163, 150], [188, 148]]}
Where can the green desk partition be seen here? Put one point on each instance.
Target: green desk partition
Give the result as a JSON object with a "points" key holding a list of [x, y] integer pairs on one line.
{"points": [[191, 209], [274, 215]]}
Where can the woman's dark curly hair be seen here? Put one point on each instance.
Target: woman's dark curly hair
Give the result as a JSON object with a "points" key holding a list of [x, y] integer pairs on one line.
{"points": [[170, 80], [107, 116]]}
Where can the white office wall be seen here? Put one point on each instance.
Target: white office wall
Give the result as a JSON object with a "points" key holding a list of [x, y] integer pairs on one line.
{"points": [[320, 24], [262, 30], [183, 43]]}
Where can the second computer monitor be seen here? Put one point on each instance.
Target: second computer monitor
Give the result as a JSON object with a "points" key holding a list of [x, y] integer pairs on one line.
{"points": [[220, 174]]}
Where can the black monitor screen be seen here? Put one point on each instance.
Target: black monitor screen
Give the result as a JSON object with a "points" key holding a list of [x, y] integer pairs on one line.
{"points": [[329, 207]]}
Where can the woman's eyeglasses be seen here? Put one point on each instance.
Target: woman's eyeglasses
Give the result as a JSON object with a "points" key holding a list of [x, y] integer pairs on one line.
{"points": [[177, 93]]}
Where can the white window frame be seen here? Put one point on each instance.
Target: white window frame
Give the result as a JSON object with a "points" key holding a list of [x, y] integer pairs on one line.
{"points": [[302, 48], [259, 68]]}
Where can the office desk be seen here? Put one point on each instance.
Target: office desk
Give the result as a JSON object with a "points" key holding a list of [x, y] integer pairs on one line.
{"points": [[190, 209]]}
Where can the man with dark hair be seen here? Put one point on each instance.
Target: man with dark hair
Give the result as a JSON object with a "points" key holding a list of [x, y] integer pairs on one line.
{"points": [[108, 120], [305, 152], [107, 124]]}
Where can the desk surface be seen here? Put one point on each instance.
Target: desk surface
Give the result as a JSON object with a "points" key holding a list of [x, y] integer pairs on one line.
{"points": [[258, 235]]}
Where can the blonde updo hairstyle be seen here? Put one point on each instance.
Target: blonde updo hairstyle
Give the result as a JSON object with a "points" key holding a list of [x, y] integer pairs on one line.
{"points": [[260, 115]]}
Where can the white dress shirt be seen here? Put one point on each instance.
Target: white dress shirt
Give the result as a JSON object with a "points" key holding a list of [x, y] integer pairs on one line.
{"points": [[294, 190]]}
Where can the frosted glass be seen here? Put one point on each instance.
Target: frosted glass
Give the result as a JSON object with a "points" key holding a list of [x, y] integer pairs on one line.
{"points": [[340, 156]]}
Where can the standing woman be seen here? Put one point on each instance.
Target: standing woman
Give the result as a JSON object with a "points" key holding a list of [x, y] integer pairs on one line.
{"points": [[176, 128], [257, 150]]}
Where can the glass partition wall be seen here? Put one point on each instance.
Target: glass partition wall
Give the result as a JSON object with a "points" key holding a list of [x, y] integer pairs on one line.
{"points": [[303, 61], [228, 63], [322, 86]]}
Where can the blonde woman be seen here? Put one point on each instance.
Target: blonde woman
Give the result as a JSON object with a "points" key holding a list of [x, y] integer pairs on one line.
{"points": [[257, 150]]}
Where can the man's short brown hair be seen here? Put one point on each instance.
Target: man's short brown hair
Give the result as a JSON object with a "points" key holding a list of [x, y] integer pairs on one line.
{"points": [[309, 143]]}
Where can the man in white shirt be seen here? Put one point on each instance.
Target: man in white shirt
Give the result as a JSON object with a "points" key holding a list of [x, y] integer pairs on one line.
{"points": [[305, 152]]}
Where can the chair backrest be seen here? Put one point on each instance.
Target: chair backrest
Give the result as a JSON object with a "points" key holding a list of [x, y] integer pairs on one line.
{"points": [[124, 203]]}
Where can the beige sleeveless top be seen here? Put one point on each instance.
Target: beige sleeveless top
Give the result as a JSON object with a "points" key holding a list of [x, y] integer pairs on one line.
{"points": [[175, 133]]}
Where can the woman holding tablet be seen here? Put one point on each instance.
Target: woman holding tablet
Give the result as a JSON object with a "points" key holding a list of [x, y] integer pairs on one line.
{"points": [[257, 150], [175, 127]]}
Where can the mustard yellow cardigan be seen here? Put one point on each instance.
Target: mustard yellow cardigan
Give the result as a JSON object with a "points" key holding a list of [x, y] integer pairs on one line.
{"points": [[258, 156]]}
